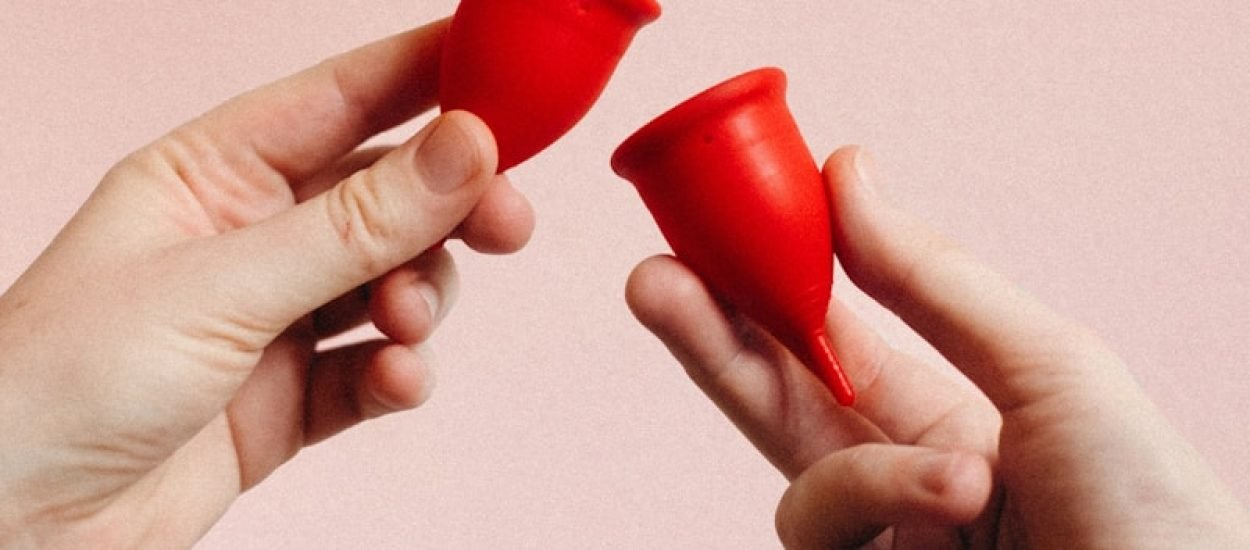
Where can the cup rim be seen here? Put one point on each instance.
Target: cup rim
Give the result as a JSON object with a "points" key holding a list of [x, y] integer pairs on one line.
{"points": [[724, 95], [644, 11]]}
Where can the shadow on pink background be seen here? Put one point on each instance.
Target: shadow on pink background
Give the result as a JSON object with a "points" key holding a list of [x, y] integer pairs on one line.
{"points": [[1095, 152]]}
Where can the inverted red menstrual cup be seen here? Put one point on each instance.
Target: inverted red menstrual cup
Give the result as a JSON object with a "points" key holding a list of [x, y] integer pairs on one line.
{"points": [[532, 68], [737, 194]]}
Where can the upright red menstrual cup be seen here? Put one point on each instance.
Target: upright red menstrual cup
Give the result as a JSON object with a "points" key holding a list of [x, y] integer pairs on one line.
{"points": [[740, 199], [532, 68]]}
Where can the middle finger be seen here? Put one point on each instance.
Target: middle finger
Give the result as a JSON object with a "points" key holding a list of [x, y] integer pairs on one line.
{"points": [[784, 409]]}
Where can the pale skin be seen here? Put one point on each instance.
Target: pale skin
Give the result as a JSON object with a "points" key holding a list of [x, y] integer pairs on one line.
{"points": [[1051, 445], [161, 356]]}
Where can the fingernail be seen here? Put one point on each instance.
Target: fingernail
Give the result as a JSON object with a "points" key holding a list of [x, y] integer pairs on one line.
{"points": [[448, 157], [935, 472], [431, 297], [429, 377], [866, 171]]}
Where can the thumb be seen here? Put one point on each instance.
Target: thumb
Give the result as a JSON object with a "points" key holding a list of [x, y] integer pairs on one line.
{"points": [[849, 497], [277, 271]]}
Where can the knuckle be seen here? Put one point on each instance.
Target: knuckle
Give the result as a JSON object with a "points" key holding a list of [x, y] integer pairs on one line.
{"points": [[363, 220], [940, 255], [927, 257], [1077, 344], [1063, 361]]}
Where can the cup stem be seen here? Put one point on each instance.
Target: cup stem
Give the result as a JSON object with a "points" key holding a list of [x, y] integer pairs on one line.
{"points": [[826, 365]]}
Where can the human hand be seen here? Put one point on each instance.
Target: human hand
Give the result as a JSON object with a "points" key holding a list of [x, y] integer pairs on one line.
{"points": [[161, 356], [1054, 447]]}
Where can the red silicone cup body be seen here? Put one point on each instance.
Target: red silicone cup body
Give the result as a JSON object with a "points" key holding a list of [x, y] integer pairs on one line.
{"points": [[531, 69], [737, 194]]}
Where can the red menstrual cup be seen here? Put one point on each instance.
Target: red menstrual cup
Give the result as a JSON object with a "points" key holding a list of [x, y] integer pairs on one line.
{"points": [[737, 194], [532, 68]]}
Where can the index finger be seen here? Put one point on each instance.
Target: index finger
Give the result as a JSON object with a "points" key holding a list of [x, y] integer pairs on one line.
{"points": [[302, 124]]}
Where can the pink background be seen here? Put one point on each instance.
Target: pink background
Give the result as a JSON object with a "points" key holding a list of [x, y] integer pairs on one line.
{"points": [[1097, 152]]}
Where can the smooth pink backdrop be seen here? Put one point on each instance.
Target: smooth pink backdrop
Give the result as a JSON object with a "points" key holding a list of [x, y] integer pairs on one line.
{"points": [[1094, 151]]}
